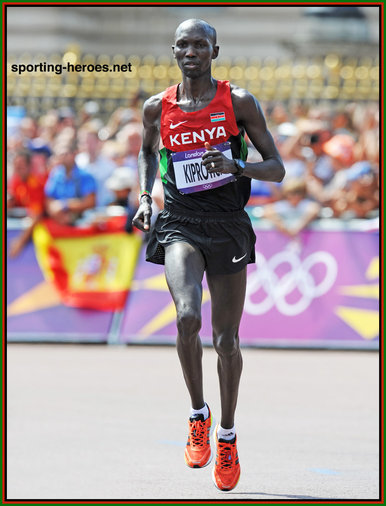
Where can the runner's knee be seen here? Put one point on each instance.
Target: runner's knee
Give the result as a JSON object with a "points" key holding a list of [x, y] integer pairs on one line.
{"points": [[226, 342], [188, 322]]}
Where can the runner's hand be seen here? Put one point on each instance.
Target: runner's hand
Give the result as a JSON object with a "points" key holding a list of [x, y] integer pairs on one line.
{"points": [[215, 161], [142, 217]]}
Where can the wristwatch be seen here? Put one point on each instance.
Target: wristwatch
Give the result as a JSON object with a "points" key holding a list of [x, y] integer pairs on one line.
{"points": [[240, 166]]}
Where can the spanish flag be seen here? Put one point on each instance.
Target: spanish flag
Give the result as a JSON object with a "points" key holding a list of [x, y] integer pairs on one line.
{"points": [[90, 267]]}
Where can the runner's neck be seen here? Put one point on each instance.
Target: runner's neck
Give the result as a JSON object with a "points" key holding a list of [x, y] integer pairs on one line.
{"points": [[195, 92]]}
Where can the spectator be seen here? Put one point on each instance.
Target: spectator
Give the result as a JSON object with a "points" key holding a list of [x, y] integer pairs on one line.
{"points": [[26, 186], [25, 190], [262, 192], [278, 113], [94, 162], [66, 119], [131, 137], [301, 145], [40, 154], [28, 129], [360, 197], [340, 149], [341, 122], [69, 189], [301, 132], [114, 151], [88, 111], [295, 212], [122, 182], [118, 119], [286, 135], [312, 137], [48, 125], [366, 120]]}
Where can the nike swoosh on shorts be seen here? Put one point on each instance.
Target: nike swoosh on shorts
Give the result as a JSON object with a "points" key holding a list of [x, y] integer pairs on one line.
{"points": [[235, 260]]}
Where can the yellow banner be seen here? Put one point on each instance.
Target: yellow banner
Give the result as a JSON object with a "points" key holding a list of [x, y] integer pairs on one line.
{"points": [[100, 263]]}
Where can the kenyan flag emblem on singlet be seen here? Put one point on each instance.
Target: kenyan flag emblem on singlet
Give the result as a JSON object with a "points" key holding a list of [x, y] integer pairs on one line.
{"points": [[217, 116]]}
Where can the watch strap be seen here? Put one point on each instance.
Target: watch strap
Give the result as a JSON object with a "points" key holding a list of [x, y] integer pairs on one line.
{"points": [[239, 167]]}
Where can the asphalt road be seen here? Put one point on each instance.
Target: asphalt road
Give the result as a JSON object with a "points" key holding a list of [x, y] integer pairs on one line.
{"points": [[110, 422]]}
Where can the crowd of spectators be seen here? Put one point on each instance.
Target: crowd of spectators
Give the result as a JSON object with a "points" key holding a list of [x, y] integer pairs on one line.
{"points": [[72, 168], [331, 156], [69, 166]]}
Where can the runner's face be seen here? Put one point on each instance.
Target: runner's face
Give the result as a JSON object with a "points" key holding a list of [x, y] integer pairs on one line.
{"points": [[194, 51]]}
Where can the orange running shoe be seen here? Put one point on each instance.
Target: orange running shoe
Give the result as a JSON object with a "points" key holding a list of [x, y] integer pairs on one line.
{"points": [[198, 452], [226, 471]]}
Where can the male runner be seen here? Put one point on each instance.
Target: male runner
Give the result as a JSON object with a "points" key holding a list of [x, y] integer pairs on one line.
{"points": [[204, 227]]}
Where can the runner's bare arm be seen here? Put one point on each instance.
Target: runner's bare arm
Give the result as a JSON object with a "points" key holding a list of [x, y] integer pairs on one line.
{"points": [[148, 158], [250, 118]]}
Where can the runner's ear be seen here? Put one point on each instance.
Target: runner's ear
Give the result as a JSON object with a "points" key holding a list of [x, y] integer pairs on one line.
{"points": [[216, 50]]}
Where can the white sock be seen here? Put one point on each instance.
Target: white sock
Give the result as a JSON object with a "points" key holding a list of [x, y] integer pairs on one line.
{"points": [[203, 411], [226, 434]]}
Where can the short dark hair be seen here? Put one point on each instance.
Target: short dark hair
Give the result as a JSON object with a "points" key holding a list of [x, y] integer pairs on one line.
{"points": [[209, 29], [24, 153]]}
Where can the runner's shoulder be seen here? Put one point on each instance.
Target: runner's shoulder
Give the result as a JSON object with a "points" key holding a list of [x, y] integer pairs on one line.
{"points": [[152, 107], [244, 103], [240, 96]]}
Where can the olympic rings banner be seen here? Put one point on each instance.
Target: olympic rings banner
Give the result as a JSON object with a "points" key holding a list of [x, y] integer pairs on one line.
{"points": [[319, 291]]}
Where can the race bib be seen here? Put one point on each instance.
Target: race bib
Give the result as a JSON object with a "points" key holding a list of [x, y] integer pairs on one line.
{"points": [[192, 175]]}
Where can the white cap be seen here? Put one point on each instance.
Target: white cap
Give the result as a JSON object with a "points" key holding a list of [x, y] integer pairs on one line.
{"points": [[287, 129], [121, 179]]}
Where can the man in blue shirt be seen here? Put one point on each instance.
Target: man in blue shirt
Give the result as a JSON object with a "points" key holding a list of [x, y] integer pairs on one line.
{"points": [[69, 190]]}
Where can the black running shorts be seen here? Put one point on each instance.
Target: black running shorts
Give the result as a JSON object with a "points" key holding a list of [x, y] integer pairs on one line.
{"points": [[225, 239]]}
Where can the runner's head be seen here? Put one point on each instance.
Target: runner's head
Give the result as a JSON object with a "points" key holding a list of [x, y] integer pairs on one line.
{"points": [[195, 47], [197, 24]]}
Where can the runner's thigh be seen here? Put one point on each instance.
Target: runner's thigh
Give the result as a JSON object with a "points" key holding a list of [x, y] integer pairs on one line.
{"points": [[227, 295], [184, 270]]}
